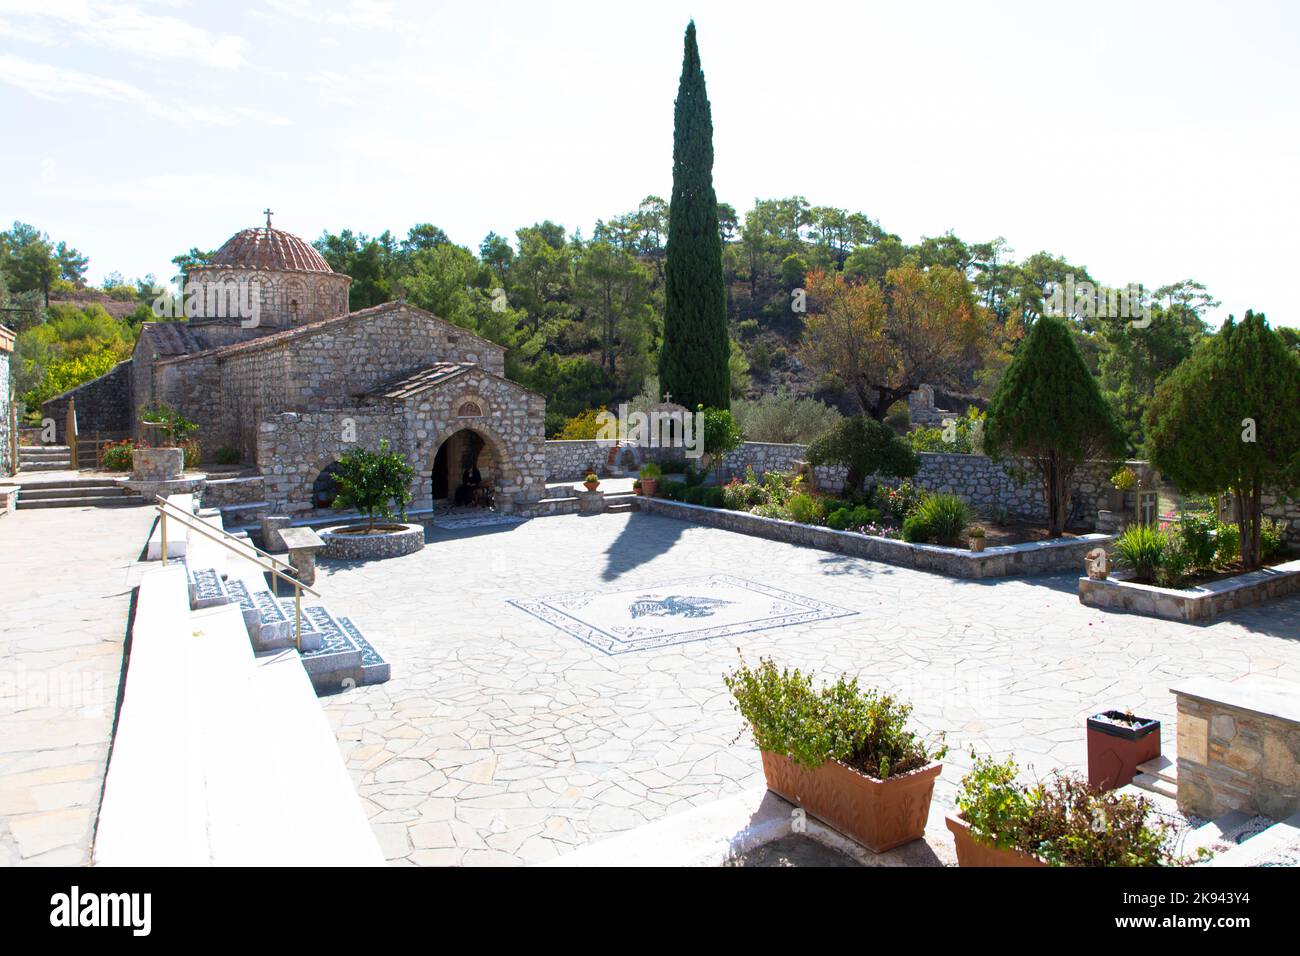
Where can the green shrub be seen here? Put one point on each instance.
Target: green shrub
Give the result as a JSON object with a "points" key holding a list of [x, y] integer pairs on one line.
{"points": [[1270, 539], [651, 470], [710, 496], [741, 495], [191, 453], [898, 501], [1140, 548], [1197, 534], [1176, 563], [117, 456], [864, 447], [772, 509], [945, 517], [1227, 543], [1064, 821], [915, 530], [226, 456], [673, 490], [865, 729], [783, 417], [856, 516], [805, 509]]}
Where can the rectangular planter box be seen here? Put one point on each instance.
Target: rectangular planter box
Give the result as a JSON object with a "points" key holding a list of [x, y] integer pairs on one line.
{"points": [[1115, 751], [1201, 603], [972, 851], [879, 814]]}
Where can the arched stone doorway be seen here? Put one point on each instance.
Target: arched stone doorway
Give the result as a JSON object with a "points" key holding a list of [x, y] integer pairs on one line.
{"points": [[326, 487], [462, 451]]}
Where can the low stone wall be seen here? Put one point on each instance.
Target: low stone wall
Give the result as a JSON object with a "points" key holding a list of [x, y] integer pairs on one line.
{"points": [[370, 547], [1238, 747], [220, 492], [1192, 604], [104, 406], [570, 460], [986, 484], [1045, 557]]}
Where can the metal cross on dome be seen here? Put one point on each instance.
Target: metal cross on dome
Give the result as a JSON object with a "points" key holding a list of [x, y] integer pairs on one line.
{"points": [[267, 212], [668, 397]]}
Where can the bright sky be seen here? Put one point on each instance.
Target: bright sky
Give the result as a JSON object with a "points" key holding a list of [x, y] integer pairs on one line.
{"points": [[1149, 142]]}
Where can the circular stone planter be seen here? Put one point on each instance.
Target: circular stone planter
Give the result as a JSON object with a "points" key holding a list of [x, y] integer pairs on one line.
{"points": [[350, 543]]}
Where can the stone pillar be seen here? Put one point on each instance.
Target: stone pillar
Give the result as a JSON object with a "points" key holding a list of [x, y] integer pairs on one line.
{"points": [[272, 525], [591, 502]]}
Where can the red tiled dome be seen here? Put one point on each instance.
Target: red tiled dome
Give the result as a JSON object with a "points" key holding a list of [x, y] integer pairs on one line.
{"points": [[269, 249]]}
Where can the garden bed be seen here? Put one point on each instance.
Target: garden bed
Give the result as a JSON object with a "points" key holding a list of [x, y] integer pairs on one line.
{"points": [[1200, 603], [1036, 557], [356, 543]]}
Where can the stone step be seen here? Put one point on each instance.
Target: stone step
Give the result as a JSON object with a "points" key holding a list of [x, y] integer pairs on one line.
{"points": [[89, 481], [374, 669], [59, 490], [1162, 767], [98, 501], [207, 589], [1160, 800], [1278, 845], [27, 468], [1153, 784], [269, 628], [311, 635], [39, 448], [336, 664], [620, 508]]}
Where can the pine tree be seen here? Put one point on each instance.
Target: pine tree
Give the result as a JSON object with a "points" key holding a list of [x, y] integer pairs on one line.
{"points": [[1048, 409], [693, 365]]}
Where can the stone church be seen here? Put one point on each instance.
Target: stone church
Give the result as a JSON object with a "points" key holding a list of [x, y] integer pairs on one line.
{"points": [[305, 379]]}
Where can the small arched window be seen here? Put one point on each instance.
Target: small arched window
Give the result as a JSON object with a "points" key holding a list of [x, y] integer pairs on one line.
{"points": [[470, 410]]}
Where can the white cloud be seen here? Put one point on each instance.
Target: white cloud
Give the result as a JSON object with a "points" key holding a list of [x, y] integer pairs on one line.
{"points": [[49, 82], [125, 27]]}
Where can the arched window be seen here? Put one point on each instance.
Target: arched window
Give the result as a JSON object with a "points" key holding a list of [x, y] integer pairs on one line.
{"points": [[470, 410], [325, 488]]}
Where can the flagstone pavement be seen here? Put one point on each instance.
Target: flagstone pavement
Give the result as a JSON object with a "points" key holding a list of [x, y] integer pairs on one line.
{"points": [[65, 590], [502, 739]]}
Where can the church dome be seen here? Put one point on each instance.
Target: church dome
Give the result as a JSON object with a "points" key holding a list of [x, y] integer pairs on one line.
{"points": [[268, 249]]}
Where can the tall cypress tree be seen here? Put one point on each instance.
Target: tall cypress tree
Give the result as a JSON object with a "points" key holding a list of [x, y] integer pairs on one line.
{"points": [[693, 365]]}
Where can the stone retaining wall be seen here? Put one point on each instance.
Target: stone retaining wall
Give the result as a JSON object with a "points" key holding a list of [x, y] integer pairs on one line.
{"points": [[220, 492], [1193, 604], [1238, 747], [104, 406], [1044, 557]]}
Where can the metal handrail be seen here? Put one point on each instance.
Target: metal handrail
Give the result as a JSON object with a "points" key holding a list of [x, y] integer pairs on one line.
{"points": [[219, 535]]}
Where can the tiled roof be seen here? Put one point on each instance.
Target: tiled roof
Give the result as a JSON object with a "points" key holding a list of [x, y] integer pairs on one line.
{"points": [[171, 338], [417, 382], [311, 328], [268, 249]]}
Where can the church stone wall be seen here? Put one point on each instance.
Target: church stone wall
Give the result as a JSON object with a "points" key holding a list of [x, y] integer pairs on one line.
{"points": [[103, 406], [285, 299]]}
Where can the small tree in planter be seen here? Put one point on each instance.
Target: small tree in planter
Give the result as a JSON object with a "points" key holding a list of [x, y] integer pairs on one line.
{"points": [[1226, 419], [865, 447], [1047, 408], [721, 435], [372, 482], [842, 753]]}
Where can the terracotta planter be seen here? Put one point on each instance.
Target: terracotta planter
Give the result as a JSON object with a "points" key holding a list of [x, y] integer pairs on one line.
{"points": [[636, 489], [879, 814], [971, 851], [977, 544], [1114, 751], [591, 485], [649, 486]]}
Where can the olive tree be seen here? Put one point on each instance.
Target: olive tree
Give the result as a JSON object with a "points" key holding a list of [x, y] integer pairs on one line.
{"points": [[865, 447], [1228, 419]]}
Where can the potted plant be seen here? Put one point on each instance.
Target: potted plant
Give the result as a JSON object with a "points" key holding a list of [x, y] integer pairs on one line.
{"points": [[842, 753], [1063, 822], [636, 486], [650, 475], [1117, 743], [1122, 482], [591, 482], [976, 536]]}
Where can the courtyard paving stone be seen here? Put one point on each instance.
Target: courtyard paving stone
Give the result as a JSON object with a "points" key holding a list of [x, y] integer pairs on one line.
{"points": [[534, 743], [67, 575]]}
